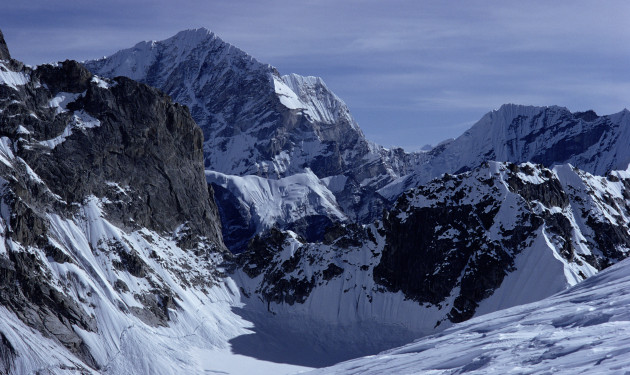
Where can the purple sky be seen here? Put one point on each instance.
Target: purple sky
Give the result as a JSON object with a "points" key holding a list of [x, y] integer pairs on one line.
{"points": [[412, 72]]}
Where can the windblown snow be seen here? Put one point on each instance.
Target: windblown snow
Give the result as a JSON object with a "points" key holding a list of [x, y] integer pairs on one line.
{"points": [[196, 338]]}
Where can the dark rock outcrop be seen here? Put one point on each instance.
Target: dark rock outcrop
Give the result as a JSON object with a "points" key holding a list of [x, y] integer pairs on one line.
{"points": [[138, 141], [279, 285], [76, 148], [4, 50], [449, 242]]}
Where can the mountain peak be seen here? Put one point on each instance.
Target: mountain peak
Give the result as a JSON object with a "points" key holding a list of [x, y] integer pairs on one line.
{"points": [[189, 38], [4, 50], [197, 30], [194, 36]]}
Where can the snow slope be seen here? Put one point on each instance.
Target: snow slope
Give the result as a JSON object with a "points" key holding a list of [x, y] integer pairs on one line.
{"points": [[583, 330], [260, 203], [195, 339], [11, 78]]}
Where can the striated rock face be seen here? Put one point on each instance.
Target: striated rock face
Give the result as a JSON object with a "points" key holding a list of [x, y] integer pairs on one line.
{"points": [[105, 214], [498, 236], [142, 152]]}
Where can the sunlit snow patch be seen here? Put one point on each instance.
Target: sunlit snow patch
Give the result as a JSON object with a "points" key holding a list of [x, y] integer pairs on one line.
{"points": [[12, 79], [80, 121], [287, 97], [100, 82], [61, 100]]}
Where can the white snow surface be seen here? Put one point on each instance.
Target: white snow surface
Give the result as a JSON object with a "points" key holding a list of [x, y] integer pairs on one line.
{"points": [[100, 82], [38, 354], [288, 98], [80, 121], [6, 151], [61, 100], [312, 95], [280, 201], [11, 78], [583, 330]]}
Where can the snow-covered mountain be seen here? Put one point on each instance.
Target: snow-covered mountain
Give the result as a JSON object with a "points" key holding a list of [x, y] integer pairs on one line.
{"points": [[254, 120], [459, 246], [111, 253], [109, 239], [257, 122], [583, 330], [518, 134]]}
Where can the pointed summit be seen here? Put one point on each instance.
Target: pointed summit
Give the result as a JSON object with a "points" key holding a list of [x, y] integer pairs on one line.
{"points": [[199, 33], [4, 50], [254, 120]]}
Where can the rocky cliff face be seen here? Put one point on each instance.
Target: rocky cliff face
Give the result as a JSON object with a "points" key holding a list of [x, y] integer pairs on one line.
{"points": [[106, 217], [4, 50], [501, 235], [140, 146]]}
